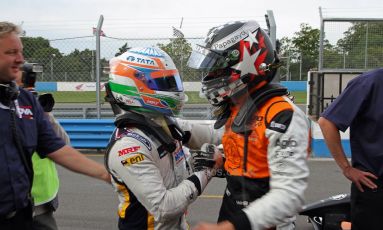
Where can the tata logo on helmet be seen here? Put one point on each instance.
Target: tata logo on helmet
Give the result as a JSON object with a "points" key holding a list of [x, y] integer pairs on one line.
{"points": [[141, 60]]}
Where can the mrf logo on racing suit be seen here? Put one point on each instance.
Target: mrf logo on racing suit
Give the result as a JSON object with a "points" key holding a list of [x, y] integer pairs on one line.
{"points": [[132, 160], [125, 151]]}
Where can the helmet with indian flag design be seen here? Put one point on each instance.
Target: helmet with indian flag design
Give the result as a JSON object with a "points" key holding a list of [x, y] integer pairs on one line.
{"points": [[145, 79]]}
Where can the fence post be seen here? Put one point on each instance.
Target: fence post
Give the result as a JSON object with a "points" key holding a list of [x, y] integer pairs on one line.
{"points": [[98, 65]]}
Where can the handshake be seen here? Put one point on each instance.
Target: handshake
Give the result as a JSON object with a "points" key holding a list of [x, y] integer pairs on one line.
{"points": [[209, 157], [205, 164]]}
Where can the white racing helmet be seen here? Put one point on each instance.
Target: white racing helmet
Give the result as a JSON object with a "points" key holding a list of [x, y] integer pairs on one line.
{"points": [[145, 79]]}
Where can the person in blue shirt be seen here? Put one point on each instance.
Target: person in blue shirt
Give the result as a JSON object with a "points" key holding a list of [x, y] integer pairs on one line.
{"points": [[359, 107], [24, 129]]}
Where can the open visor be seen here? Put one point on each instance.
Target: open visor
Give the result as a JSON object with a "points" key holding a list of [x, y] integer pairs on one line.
{"points": [[206, 59]]}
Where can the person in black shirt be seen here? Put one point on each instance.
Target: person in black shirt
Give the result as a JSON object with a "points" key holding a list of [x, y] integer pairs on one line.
{"points": [[23, 130], [359, 107]]}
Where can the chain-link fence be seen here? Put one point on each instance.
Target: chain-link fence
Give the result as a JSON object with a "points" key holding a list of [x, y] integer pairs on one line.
{"points": [[71, 67], [348, 47], [73, 59], [351, 44]]}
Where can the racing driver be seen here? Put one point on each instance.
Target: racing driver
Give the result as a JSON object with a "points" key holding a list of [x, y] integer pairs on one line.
{"points": [[266, 140]]}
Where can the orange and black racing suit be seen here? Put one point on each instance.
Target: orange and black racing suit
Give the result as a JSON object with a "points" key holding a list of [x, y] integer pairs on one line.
{"points": [[266, 147]]}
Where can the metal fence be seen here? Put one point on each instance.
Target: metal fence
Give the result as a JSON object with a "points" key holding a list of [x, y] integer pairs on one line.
{"points": [[74, 59], [348, 47], [350, 44], [76, 64]]}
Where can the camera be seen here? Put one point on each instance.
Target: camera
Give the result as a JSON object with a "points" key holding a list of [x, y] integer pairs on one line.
{"points": [[28, 80], [30, 71]]}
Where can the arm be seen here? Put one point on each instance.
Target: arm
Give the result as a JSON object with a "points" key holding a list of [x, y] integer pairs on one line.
{"points": [[202, 131], [333, 142], [155, 192], [73, 160]]}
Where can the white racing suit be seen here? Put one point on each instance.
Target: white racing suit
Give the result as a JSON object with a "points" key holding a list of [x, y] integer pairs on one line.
{"points": [[266, 144], [154, 186]]}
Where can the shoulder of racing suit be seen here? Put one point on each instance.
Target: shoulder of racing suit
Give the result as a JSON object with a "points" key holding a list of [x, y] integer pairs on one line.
{"points": [[150, 128]]}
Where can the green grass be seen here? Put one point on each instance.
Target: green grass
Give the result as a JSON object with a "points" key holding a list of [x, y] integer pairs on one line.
{"points": [[90, 97], [300, 97]]}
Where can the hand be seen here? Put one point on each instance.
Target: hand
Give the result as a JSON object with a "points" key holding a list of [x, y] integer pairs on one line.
{"points": [[225, 225], [359, 178], [203, 159], [107, 178]]}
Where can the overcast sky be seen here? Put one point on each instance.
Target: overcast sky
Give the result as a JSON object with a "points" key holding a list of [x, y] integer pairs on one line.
{"points": [[154, 18]]}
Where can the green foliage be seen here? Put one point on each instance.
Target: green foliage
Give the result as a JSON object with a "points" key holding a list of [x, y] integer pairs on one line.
{"points": [[179, 50], [362, 45], [360, 48], [306, 41], [302, 51]]}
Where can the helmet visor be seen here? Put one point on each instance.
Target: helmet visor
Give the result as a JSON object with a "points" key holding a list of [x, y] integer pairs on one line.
{"points": [[206, 59], [165, 80]]}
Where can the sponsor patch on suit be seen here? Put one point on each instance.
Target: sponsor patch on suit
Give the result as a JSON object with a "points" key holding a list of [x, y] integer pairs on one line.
{"points": [[133, 160]]}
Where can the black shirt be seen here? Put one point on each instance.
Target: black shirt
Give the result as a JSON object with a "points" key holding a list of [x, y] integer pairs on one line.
{"points": [[35, 134], [360, 107]]}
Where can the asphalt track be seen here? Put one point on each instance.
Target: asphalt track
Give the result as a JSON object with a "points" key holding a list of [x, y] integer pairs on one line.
{"points": [[89, 204]]}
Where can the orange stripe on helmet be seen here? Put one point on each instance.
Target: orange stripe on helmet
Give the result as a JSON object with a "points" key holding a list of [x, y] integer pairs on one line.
{"points": [[159, 63], [163, 73], [124, 70]]}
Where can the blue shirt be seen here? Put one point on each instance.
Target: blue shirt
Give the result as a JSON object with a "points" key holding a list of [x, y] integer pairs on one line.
{"points": [[35, 134], [360, 107]]}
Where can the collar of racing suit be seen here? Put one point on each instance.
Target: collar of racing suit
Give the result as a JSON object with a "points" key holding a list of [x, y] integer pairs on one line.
{"points": [[253, 102], [148, 125]]}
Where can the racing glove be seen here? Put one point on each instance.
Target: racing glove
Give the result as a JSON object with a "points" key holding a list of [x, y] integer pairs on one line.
{"points": [[204, 158], [202, 163]]}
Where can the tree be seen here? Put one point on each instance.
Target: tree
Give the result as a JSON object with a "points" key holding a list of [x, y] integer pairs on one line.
{"points": [[306, 41], [79, 66], [179, 50], [285, 49], [37, 47], [302, 51], [362, 45], [39, 50]]}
